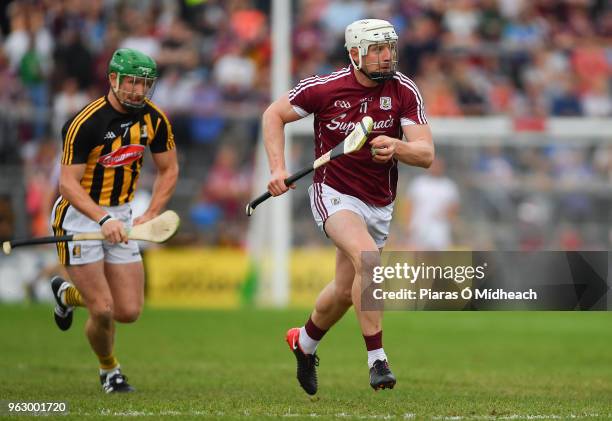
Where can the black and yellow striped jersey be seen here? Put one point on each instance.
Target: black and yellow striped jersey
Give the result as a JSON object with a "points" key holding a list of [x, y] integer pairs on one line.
{"points": [[112, 144]]}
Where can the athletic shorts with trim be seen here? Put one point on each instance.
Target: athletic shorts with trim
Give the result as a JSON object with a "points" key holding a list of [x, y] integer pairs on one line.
{"points": [[325, 201], [67, 220]]}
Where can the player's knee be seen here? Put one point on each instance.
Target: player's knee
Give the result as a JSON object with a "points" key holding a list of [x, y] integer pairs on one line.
{"points": [[101, 311], [344, 296], [366, 262], [127, 314]]}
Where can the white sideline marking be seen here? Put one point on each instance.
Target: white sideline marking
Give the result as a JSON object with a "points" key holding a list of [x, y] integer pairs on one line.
{"points": [[408, 415]]}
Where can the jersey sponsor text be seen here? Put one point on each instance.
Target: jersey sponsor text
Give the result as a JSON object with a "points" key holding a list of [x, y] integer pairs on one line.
{"points": [[122, 156]]}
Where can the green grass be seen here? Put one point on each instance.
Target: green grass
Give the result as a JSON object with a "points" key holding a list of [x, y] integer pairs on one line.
{"points": [[235, 364]]}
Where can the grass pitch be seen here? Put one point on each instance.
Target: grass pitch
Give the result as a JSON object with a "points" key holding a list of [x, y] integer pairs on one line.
{"points": [[236, 365]]}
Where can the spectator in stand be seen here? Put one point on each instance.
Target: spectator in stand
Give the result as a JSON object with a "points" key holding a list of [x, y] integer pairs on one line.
{"points": [[596, 101], [491, 22], [546, 68], [566, 102], [339, 13], [94, 25], [179, 47], [436, 87], [112, 38], [27, 32], [235, 73], [29, 47], [67, 103], [142, 36], [572, 169], [603, 162], [73, 59], [589, 60], [227, 188], [461, 22], [495, 171], [441, 100], [174, 94], [226, 185], [420, 41], [308, 38], [39, 166], [464, 79]]}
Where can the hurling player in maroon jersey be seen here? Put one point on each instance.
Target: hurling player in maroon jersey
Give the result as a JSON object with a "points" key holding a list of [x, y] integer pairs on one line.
{"points": [[352, 197]]}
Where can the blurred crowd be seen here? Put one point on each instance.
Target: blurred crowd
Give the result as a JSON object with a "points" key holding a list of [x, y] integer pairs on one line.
{"points": [[510, 197], [481, 57], [523, 58]]}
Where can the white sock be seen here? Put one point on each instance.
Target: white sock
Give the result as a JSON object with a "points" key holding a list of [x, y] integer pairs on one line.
{"points": [[104, 372], [377, 354], [62, 293], [308, 345]]}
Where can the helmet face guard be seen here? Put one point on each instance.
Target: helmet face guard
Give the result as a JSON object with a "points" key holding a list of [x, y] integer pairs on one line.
{"points": [[136, 74], [381, 73], [376, 34], [132, 91]]}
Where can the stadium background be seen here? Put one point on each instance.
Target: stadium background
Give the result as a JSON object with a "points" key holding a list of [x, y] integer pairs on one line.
{"points": [[518, 97]]}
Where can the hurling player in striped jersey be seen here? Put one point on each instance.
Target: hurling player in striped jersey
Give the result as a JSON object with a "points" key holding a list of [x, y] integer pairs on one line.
{"points": [[352, 197], [102, 155]]}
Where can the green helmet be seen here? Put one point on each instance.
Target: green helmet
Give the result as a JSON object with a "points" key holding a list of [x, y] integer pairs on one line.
{"points": [[133, 66], [127, 61]]}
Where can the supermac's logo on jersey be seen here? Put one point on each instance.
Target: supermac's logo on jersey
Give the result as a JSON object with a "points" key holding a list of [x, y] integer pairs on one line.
{"points": [[385, 103], [346, 127], [122, 156]]}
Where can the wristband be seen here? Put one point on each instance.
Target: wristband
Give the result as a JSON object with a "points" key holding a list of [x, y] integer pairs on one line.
{"points": [[104, 219]]}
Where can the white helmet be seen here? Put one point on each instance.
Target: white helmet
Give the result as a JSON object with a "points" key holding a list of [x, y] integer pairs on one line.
{"points": [[362, 34]]}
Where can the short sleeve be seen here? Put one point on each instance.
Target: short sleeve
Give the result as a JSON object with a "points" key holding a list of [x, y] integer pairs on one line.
{"points": [[305, 96], [413, 107], [163, 139], [77, 142]]}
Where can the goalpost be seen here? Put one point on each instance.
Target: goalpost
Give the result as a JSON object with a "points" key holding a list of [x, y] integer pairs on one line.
{"points": [[269, 237]]}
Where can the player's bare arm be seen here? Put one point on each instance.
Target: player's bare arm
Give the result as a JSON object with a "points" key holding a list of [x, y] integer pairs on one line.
{"points": [[70, 188], [164, 185], [418, 150], [279, 113]]}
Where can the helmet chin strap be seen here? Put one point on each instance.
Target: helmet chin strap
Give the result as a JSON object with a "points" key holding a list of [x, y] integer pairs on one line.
{"points": [[377, 77], [369, 76]]}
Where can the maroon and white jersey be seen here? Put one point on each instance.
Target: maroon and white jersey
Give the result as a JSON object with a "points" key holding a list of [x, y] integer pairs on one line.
{"points": [[338, 102]]}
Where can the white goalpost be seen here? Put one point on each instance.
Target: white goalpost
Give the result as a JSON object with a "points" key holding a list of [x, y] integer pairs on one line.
{"points": [[269, 238]]}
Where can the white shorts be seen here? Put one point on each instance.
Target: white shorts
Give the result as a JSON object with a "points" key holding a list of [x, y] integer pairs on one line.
{"points": [[67, 220], [325, 201]]}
